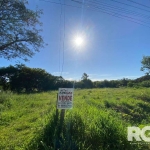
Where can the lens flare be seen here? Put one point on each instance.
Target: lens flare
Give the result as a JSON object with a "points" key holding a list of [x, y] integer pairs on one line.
{"points": [[78, 41]]}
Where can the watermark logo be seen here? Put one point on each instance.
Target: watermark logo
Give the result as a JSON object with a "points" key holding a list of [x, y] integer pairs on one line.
{"points": [[139, 134]]}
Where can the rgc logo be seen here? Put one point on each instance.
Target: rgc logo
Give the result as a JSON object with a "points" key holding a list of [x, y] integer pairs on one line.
{"points": [[139, 134]]}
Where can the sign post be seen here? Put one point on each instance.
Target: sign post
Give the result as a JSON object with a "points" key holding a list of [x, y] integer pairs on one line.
{"points": [[64, 101]]}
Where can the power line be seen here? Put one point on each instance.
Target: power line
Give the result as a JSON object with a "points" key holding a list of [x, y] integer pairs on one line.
{"points": [[82, 14], [114, 15], [60, 3], [99, 7], [120, 15], [130, 5], [63, 40], [119, 8], [77, 1], [60, 34], [138, 3]]}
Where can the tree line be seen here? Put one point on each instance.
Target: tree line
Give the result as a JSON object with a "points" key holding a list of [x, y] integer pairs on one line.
{"points": [[20, 78], [20, 37]]}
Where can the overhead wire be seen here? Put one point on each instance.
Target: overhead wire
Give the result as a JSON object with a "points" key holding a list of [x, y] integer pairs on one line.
{"points": [[119, 8], [60, 3], [138, 3], [64, 27], [61, 40], [99, 9], [106, 12], [116, 13], [112, 13], [119, 16], [129, 5], [82, 13], [60, 31], [81, 25]]}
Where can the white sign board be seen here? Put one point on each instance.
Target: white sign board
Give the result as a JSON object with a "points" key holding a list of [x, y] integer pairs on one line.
{"points": [[65, 98]]}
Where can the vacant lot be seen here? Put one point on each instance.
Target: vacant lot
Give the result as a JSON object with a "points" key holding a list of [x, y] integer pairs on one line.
{"points": [[98, 120]]}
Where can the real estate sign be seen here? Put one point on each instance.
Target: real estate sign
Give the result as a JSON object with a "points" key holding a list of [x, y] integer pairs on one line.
{"points": [[65, 98]]}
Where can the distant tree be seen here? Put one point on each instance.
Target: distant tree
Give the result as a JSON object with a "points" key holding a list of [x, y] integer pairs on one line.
{"points": [[124, 82], [143, 78], [85, 82], [88, 83], [5, 75], [22, 78], [145, 83], [130, 84], [99, 84], [79, 84], [113, 84], [146, 64], [19, 33], [62, 83], [84, 76]]}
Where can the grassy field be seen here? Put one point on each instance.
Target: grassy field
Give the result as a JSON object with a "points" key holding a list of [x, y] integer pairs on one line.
{"points": [[98, 120]]}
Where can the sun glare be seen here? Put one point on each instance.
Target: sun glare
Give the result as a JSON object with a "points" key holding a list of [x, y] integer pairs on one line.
{"points": [[79, 41]]}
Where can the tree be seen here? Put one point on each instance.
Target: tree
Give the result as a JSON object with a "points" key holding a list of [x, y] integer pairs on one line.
{"points": [[146, 64], [85, 82], [22, 78], [84, 76], [19, 30]]}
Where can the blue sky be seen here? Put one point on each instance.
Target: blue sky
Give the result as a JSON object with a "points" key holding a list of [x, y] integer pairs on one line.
{"points": [[113, 46]]}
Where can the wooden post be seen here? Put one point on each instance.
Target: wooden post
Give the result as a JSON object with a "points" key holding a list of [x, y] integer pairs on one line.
{"points": [[62, 115], [56, 111]]}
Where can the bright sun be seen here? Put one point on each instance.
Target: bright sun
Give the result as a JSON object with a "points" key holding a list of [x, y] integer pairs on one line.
{"points": [[79, 41]]}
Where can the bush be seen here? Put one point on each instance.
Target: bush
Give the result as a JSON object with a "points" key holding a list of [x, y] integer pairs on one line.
{"points": [[130, 84], [145, 83]]}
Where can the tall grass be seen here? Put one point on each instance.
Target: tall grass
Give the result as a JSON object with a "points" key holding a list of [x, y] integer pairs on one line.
{"points": [[98, 120]]}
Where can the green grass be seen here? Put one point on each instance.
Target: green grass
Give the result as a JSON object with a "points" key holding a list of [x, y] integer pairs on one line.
{"points": [[22, 117], [98, 120]]}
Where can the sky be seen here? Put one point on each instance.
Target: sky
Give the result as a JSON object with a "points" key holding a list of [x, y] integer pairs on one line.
{"points": [[116, 36]]}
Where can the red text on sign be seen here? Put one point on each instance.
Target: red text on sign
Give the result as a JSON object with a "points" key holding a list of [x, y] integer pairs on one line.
{"points": [[63, 98]]}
